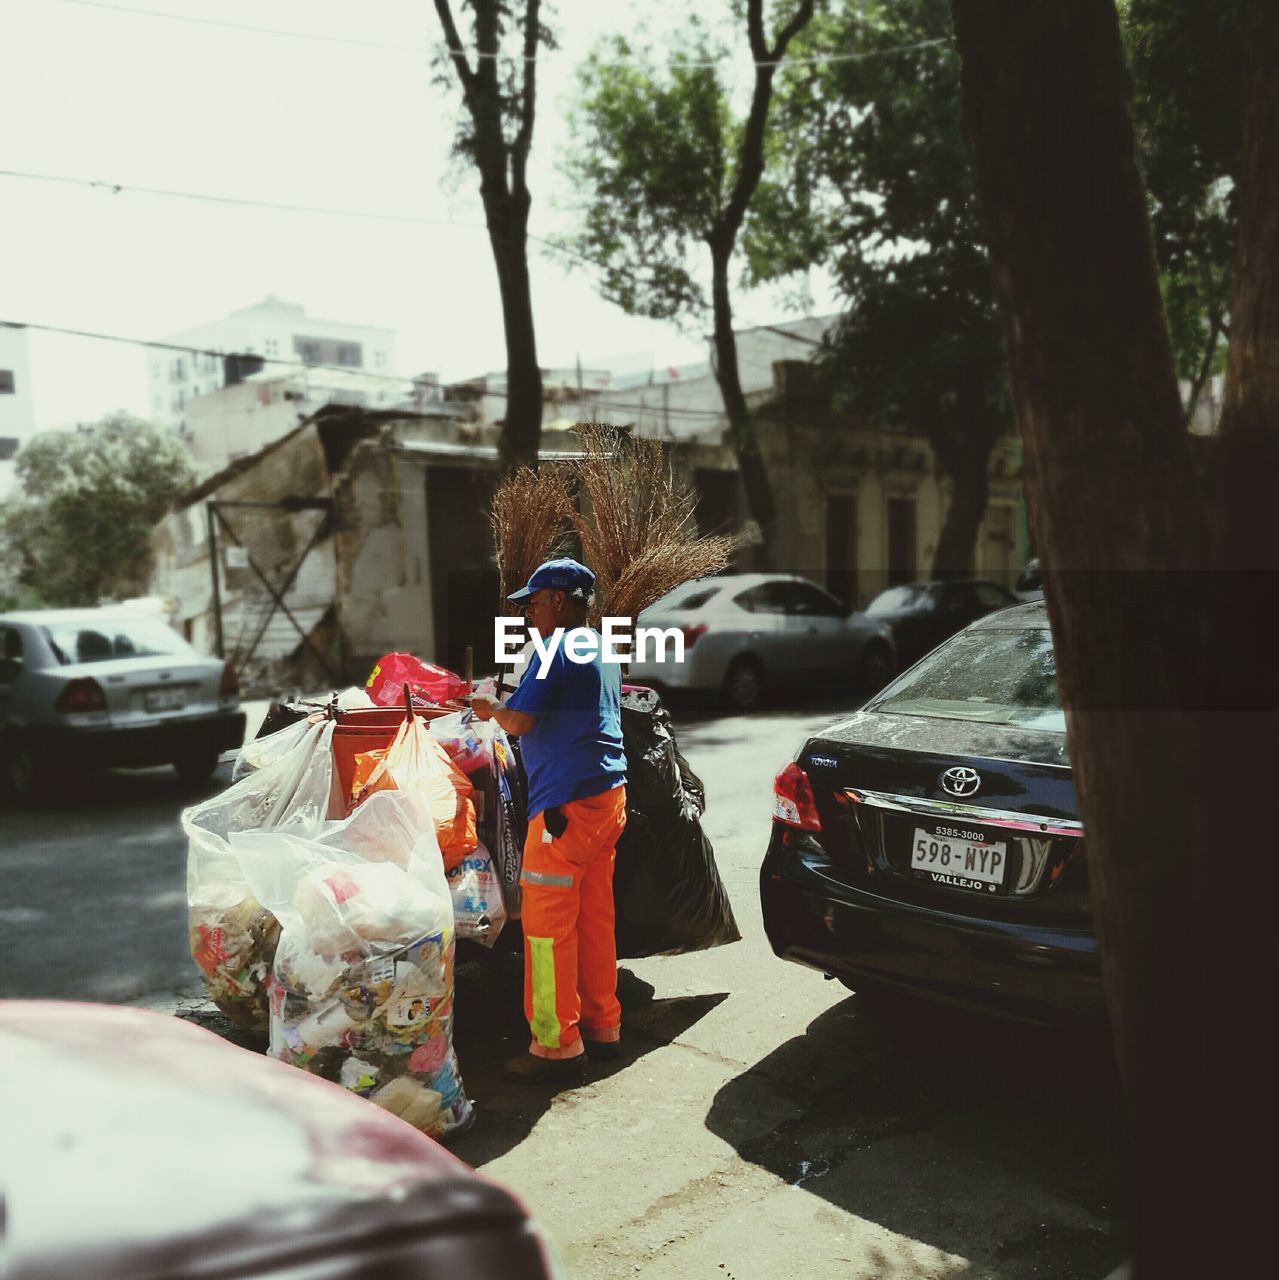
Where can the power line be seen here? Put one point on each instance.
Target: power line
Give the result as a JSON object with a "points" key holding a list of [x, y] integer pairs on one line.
{"points": [[902, 272], [120, 188], [441, 48], [186, 349], [598, 400]]}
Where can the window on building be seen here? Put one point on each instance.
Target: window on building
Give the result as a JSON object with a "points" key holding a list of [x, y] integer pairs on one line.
{"points": [[6, 382], [272, 347], [179, 372], [8, 448], [349, 355]]}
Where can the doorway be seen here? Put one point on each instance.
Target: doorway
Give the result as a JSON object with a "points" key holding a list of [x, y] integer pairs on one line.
{"points": [[841, 546], [901, 541]]}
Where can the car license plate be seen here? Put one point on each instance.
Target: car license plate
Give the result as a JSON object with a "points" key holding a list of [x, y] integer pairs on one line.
{"points": [[165, 699], [960, 856]]}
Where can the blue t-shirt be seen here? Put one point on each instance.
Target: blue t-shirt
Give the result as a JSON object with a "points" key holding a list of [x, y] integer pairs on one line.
{"points": [[575, 748]]}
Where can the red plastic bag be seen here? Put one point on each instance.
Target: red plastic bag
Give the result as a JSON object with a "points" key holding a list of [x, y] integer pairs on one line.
{"points": [[428, 682]]}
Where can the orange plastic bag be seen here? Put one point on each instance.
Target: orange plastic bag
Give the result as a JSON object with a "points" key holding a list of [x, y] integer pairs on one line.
{"points": [[416, 762]]}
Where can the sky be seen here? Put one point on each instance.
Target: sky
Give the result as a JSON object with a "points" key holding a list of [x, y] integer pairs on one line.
{"points": [[100, 91]]}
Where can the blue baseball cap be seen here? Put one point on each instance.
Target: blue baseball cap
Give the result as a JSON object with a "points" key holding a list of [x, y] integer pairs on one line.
{"points": [[558, 575]]}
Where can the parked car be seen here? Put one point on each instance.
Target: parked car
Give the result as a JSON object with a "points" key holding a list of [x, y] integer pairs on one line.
{"points": [[1030, 582], [155, 1149], [93, 688], [745, 631], [923, 614], [931, 844]]}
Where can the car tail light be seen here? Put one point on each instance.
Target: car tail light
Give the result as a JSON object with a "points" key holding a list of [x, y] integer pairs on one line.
{"points": [[230, 686], [692, 633], [83, 694], [1076, 857], [793, 801]]}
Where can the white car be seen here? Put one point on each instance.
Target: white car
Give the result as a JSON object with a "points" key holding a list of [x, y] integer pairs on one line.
{"points": [[743, 632], [109, 688]]}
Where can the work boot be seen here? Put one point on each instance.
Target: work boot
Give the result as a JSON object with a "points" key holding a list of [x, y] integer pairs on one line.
{"points": [[528, 1068], [602, 1050]]}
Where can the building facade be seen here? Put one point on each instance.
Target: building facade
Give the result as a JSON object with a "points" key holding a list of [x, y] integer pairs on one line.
{"points": [[272, 330], [236, 421]]}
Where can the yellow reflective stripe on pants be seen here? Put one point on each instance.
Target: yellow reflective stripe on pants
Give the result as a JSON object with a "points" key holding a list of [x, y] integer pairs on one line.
{"points": [[545, 1023]]}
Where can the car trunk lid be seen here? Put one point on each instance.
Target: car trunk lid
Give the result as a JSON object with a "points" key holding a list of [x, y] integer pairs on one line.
{"points": [[145, 690], [992, 829]]}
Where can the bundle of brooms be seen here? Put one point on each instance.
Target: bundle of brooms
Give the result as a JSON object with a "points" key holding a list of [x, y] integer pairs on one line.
{"points": [[634, 522]]}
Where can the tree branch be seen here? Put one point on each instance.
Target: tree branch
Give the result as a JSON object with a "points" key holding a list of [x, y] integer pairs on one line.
{"points": [[528, 99], [755, 30], [751, 166], [457, 52], [799, 20], [1214, 332]]}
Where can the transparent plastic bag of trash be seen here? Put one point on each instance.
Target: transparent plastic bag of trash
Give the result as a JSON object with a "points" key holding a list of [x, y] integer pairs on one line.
{"points": [[232, 935], [361, 990]]}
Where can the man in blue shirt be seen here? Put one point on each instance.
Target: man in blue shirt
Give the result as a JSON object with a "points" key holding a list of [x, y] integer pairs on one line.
{"points": [[567, 714]]}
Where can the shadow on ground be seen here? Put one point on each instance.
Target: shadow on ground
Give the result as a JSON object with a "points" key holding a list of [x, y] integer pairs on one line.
{"points": [[489, 1028], [965, 1108]]}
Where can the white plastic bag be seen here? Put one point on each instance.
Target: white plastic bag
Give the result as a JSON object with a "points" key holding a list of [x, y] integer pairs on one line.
{"points": [[232, 936], [362, 986]]}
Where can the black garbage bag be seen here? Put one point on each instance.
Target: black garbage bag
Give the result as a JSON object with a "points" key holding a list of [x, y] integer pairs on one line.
{"points": [[667, 890], [284, 712]]}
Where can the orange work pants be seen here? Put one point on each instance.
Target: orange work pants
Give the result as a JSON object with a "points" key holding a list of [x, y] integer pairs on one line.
{"points": [[570, 954]]}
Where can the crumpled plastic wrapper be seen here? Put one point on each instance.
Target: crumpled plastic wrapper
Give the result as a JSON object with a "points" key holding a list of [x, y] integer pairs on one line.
{"points": [[476, 890]]}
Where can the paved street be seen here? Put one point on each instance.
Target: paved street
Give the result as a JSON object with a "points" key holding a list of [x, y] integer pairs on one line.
{"points": [[762, 1123]]}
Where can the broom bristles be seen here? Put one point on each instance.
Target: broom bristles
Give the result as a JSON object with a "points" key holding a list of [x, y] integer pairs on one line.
{"points": [[636, 532], [529, 515]]}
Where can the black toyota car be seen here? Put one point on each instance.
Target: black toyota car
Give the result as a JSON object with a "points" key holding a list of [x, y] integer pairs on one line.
{"points": [[931, 844]]}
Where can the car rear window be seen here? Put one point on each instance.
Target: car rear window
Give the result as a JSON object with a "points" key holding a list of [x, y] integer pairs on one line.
{"points": [[992, 676], [685, 599], [105, 641], [896, 598]]}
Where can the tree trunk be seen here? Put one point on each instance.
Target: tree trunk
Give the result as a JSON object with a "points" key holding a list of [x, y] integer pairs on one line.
{"points": [[522, 433], [745, 442], [968, 472], [1171, 717]]}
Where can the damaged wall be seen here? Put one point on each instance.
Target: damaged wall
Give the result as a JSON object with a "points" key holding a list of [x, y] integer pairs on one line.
{"points": [[273, 511], [383, 555]]}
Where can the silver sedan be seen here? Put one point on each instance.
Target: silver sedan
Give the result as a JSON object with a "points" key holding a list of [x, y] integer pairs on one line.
{"points": [[96, 688], [743, 632]]}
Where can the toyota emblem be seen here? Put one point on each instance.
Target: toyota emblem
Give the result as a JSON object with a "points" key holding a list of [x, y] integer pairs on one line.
{"points": [[960, 781]]}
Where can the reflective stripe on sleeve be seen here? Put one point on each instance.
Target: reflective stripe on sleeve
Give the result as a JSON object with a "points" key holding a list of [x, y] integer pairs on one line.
{"points": [[545, 877]]}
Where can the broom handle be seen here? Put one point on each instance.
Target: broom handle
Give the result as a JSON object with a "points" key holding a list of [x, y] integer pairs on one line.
{"points": [[408, 701]]}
